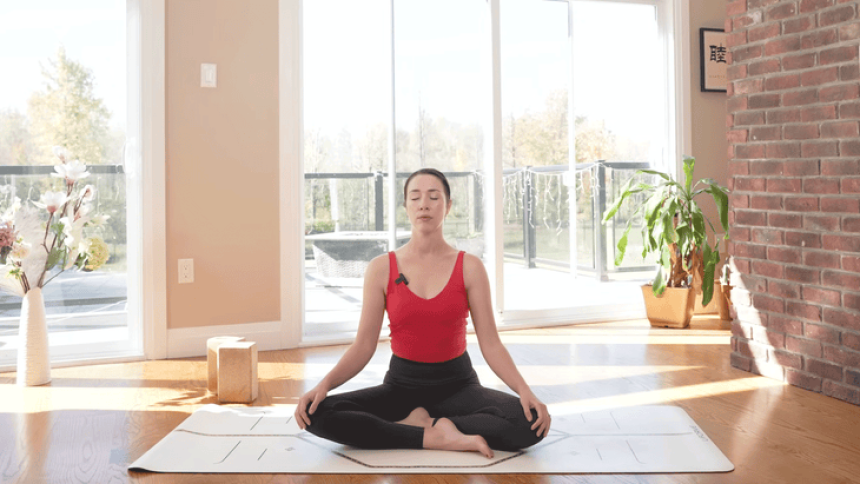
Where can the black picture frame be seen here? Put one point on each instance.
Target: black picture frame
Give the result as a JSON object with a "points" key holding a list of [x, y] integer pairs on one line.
{"points": [[712, 53]]}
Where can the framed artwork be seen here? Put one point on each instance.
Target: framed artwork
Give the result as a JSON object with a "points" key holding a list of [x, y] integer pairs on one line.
{"points": [[713, 55]]}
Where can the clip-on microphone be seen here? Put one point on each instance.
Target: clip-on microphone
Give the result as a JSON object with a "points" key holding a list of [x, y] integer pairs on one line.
{"points": [[402, 279]]}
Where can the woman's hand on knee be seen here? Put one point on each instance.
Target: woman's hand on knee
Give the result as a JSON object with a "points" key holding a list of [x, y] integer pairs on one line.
{"points": [[542, 423], [313, 399]]}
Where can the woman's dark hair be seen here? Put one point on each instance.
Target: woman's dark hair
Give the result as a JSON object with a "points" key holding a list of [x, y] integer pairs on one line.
{"points": [[428, 171]]}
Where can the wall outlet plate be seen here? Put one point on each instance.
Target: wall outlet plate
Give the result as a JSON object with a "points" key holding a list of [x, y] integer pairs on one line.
{"points": [[186, 271], [208, 75]]}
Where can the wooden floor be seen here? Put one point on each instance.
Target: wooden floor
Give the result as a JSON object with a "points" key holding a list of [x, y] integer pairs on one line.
{"points": [[91, 422]]}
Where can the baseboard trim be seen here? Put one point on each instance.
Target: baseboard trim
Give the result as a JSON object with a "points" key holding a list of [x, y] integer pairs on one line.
{"points": [[190, 342]]}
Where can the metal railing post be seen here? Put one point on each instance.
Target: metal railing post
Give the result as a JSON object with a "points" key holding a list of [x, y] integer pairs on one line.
{"points": [[529, 235], [599, 228], [379, 207], [478, 192]]}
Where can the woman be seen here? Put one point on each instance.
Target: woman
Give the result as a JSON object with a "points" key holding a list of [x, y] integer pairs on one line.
{"points": [[431, 397]]}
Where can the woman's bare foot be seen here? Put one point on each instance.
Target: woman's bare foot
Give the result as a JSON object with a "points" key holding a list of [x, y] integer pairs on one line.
{"points": [[445, 436], [417, 418]]}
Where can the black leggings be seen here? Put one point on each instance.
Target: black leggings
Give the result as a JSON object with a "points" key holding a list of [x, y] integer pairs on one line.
{"points": [[365, 418]]}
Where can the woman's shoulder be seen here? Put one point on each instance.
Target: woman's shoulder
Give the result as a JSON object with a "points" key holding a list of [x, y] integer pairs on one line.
{"points": [[378, 268]]}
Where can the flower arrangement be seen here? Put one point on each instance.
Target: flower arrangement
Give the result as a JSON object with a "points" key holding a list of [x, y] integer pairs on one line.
{"points": [[33, 252]]}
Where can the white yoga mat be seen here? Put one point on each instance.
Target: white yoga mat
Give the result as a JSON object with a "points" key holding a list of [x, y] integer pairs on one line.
{"points": [[647, 439]]}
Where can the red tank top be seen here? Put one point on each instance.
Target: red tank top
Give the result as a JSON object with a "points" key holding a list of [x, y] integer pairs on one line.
{"points": [[427, 330]]}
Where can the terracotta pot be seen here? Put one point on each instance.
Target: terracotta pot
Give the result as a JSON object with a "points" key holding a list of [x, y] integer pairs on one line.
{"points": [[672, 309], [725, 302], [713, 307]]}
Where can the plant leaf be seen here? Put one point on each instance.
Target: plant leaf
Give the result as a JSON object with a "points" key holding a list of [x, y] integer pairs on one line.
{"points": [[689, 164], [622, 245], [708, 277], [659, 282]]}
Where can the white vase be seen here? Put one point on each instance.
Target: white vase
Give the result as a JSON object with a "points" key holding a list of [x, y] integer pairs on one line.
{"points": [[34, 362]]}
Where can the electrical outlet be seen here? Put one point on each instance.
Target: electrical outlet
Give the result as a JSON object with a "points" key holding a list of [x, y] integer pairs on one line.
{"points": [[186, 271]]}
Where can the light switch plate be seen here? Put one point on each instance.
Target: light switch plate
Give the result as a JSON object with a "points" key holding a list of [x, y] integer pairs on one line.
{"points": [[208, 75]]}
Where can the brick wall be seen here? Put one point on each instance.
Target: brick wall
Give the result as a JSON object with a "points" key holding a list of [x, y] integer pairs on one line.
{"points": [[794, 170]]}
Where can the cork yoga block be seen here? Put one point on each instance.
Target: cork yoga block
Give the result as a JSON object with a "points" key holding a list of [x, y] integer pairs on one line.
{"points": [[212, 345], [237, 372]]}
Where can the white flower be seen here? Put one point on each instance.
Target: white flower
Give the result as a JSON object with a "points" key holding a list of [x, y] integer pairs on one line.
{"points": [[62, 153], [52, 201], [73, 230], [20, 251], [99, 220], [88, 193], [72, 172]]}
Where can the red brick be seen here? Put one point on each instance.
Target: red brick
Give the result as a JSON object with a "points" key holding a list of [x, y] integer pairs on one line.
{"points": [[767, 269], [851, 341], [801, 131], [803, 380], [767, 303], [802, 275], [841, 280], [818, 113], [743, 21], [850, 185], [750, 118], [764, 32], [846, 129], [842, 357], [766, 236], [755, 4], [820, 223], [769, 338], [839, 93], [841, 392], [737, 136], [783, 290], [784, 220], [783, 82], [750, 251], [743, 266], [840, 205], [842, 319], [740, 362], [819, 39], [819, 76], [782, 45], [821, 296], [819, 149], [851, 263], [849, 32], [766, 203], [843, 243], [783, 116], [769, 66], [739, 234], [800, 98], [802, 345], [851, 224], [739, 167], [836, 16], [824, 334], [803, 239], [851, 301], [784, 185], [849, 110], [850, 72], [745, 217], [803, 311], [782, 11], [769, 133], [736, 38], [763, 101], [786, 325], [821, 259], [802, 168], [798, 24], [736, 8], [752, 350], [821, 185], [736, 103], [801, 204], [786, 359], [733, 73], [730, 120], [783, 150], [849, 147], [766, 167], [748, 86], [799, 61], [749, 152], [746, 53], [837, 54], [823, 369], [807, 6], [750, 184], [840, 167]]}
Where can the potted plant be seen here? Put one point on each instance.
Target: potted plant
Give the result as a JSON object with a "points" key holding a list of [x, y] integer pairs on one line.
{"points": [[674, 227], [726, 291]]}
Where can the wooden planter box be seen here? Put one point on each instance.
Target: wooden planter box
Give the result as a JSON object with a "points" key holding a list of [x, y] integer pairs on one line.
{"points": [[672, 309]]}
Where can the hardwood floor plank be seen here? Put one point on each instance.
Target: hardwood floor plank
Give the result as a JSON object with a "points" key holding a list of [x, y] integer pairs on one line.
{"points": [[91, 422]]}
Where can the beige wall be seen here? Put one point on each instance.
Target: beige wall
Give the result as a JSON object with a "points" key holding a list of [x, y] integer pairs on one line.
{"points": [[710, 147], [222, 162]]}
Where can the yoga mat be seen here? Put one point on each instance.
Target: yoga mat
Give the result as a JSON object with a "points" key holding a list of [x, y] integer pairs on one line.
{"points": [[646, 439]]}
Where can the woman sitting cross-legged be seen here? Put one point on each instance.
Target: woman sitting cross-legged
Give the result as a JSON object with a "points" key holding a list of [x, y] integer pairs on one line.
{"points": [[431, 397]]}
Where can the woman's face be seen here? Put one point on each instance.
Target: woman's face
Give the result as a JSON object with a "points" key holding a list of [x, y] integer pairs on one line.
{"points": [[426, 203]]}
